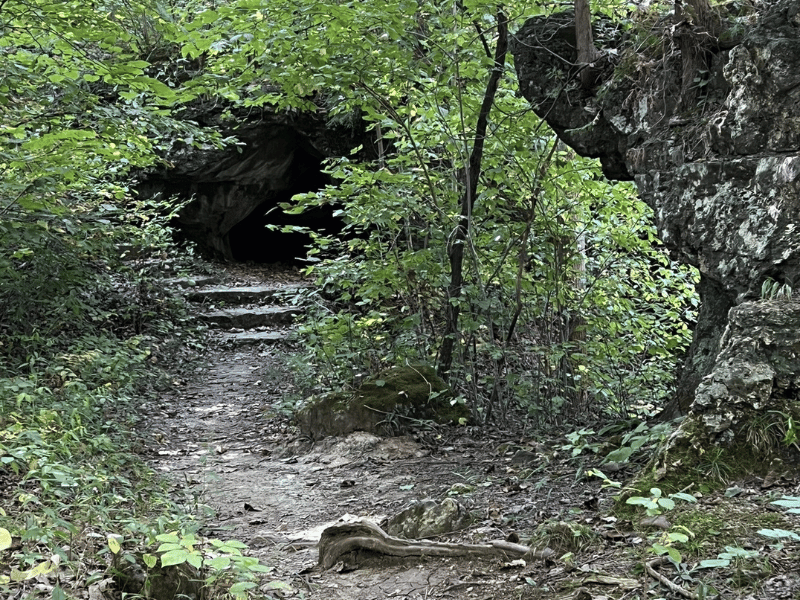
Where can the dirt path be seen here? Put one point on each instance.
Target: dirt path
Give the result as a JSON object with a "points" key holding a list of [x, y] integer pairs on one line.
{"points": [[226, 444], [226, 441]]}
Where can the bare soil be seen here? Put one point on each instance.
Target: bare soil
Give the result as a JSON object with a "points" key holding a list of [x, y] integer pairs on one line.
{"points": [[226, 440]]}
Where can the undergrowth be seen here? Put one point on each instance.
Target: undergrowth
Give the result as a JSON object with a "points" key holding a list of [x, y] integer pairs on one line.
{"points": [[86, 339]]}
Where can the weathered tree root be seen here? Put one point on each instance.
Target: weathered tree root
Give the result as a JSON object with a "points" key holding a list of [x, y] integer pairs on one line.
{"points": [[662, 560], [341, 539]]}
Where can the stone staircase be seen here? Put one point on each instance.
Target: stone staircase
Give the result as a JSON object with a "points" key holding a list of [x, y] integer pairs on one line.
{"points": [[231, 299], [251, 314]]}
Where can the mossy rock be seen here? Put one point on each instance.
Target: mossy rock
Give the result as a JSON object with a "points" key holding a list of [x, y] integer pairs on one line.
{"points": [[384, 404]]}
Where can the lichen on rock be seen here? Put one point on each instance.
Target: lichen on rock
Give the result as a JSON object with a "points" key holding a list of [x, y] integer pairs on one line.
{"points": [[750, 401], [722, 174], [427, 518]]}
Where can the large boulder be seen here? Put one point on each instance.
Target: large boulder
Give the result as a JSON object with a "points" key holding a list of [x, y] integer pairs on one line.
{"points": [[748, 404], [388, 404], [722, 173], [428, 518]]}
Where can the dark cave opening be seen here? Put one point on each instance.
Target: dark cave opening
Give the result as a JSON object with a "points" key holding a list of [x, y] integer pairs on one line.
{"points": [[235, 195], [259, 237]]}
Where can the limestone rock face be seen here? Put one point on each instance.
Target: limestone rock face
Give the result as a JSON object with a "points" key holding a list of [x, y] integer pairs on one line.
{"points": [[758, 367], [722, 175], [753, 389]]}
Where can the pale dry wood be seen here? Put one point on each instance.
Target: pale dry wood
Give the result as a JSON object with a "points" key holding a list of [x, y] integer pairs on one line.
{"points": [[338, 540], [650, 567]]}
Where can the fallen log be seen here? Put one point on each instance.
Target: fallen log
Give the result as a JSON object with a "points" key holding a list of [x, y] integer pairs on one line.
{"points": [[338, 540]]}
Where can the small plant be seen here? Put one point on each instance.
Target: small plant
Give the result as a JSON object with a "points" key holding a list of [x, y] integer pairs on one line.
{"points": [[764, 432], [220, 565], [606, 481], [580, 441], [16, 576], [667, 541], [773, 290], [724, 559], [790, 437], [641, 437], [657, 503], [714, 467]]}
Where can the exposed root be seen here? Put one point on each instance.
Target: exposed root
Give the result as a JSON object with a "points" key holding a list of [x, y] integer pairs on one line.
{"points": [[341, 539], [650, 567]]}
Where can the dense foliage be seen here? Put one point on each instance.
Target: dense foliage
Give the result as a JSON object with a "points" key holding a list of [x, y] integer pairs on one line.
{"points": [[85, 325], [562, 294], [563, 298]]}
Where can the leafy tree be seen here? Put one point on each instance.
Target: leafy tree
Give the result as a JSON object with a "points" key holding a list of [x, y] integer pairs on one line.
{"points": [[466, 220], [475, 240]]}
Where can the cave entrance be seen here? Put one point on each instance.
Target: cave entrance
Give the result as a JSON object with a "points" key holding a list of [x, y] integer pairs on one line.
{"points": [[235, 193], [253, 240]]}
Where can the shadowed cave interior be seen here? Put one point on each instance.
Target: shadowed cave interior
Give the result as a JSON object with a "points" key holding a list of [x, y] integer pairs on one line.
{"points": [[234, 195]]}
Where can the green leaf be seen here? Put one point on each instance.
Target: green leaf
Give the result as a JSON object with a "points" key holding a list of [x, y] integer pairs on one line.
{"points": [[788, 502], [58, 594], [113, 544], [736, 552], [242, 586], [669, 551], [229, 545], [41, 569], [149, 560], [174, 557], [169, 546], [218, 563], [666, 503], [713, 563], [194, 559], [779, 534], [621, 455], [684, 496], [638, 500], [5, 539]]}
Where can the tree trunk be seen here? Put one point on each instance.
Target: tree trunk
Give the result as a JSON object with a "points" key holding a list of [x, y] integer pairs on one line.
{"points": [[584, 41], [468, 201]]}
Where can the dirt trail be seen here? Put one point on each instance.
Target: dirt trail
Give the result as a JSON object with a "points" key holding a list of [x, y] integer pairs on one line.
{"points": [[226, 441]]}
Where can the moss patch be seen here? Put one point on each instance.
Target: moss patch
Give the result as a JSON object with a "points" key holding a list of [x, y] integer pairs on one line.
{"points": [[384, 404]]}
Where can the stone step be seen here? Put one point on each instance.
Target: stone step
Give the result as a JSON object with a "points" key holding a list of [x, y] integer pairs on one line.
{"points": [[250, 318], [249, 338], [191, 282], [243, 295]]}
